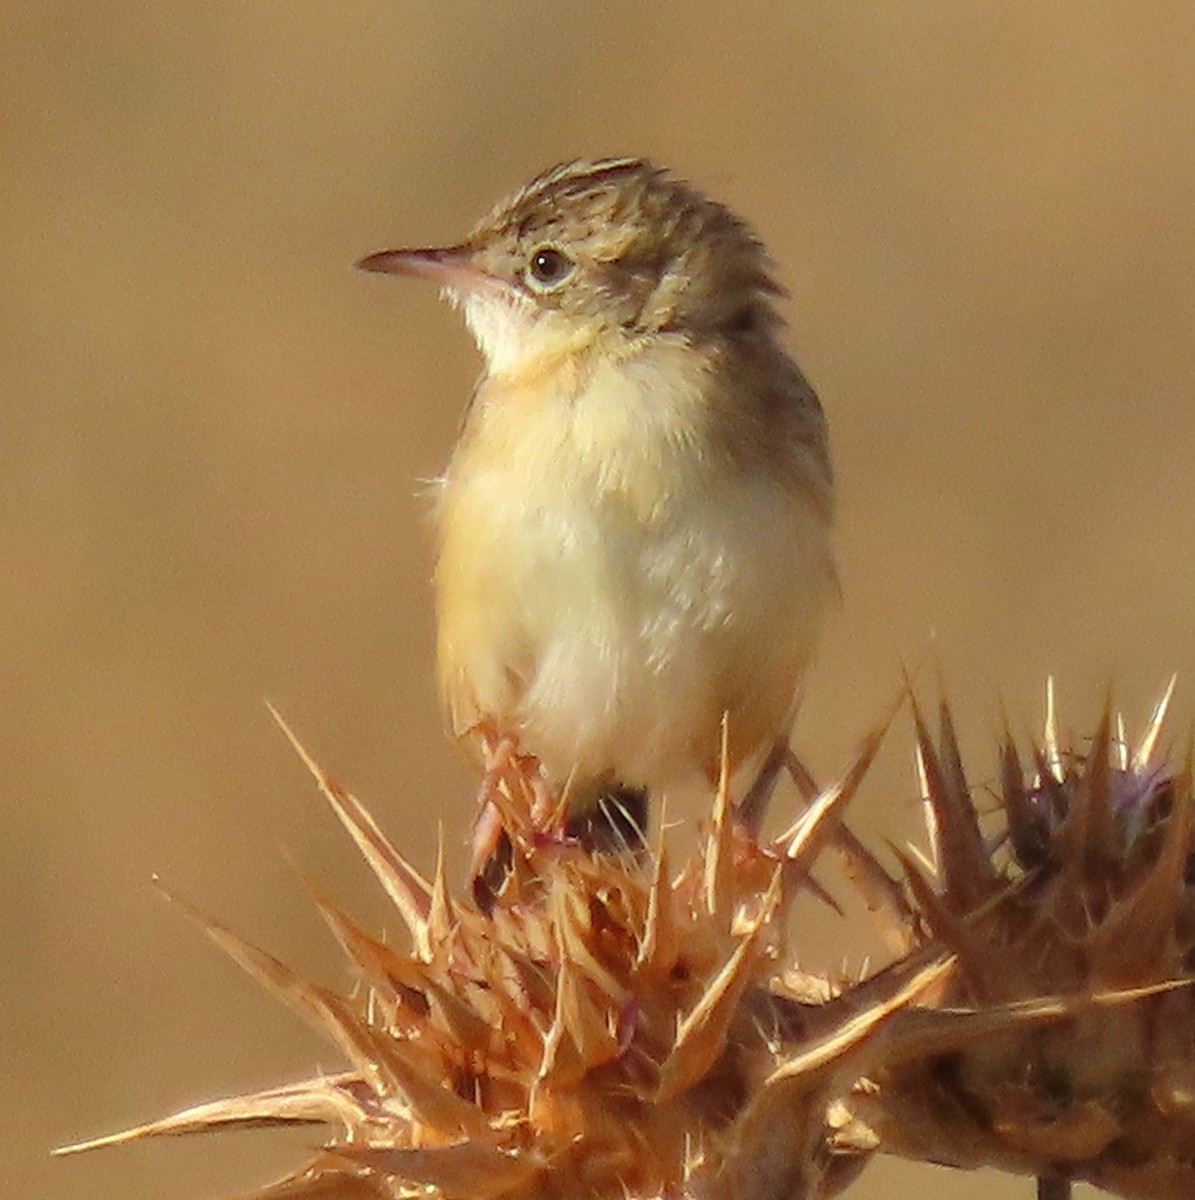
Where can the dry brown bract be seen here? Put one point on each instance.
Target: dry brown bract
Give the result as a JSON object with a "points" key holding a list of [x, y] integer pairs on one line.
{"points": [[1086, 892], [612, 1027]]}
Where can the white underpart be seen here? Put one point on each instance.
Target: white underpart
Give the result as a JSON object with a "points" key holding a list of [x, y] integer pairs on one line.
{"points": [[504, 326], [624, 592]]}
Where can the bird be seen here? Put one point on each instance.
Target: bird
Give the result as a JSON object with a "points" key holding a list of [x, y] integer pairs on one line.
{"points": [[634, 533]]}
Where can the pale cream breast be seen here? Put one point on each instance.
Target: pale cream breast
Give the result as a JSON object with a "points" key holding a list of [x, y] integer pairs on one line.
{"points": [[607, 586]]}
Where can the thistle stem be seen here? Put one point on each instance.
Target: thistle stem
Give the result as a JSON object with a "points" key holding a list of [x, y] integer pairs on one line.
{"points": [[1053, 1187]]}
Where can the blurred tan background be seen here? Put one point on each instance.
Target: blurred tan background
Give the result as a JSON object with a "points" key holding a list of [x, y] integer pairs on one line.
{"points": [[211, 433]]}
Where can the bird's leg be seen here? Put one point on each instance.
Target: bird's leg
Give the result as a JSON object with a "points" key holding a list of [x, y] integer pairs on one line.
{"points": [[544, 803], [513, 799], [488, 829]]}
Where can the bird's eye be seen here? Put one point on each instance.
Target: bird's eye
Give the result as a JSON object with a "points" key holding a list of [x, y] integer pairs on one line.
{"points": [[549, 266]]}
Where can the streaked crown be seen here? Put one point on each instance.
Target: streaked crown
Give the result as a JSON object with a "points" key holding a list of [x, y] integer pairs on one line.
{"points": [[620, 241]]}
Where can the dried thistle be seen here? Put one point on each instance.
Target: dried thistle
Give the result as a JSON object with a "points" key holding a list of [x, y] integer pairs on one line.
{"points": [[1086, 892], [608, 1027]]}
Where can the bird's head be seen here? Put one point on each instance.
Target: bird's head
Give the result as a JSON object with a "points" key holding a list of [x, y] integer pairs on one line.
{"points": [[592, 250]]}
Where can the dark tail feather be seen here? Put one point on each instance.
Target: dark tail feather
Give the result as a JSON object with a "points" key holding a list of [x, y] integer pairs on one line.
{"points": [[617, 824]]}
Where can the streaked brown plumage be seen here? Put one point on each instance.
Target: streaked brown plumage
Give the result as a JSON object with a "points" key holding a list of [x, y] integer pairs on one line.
{"points": [[635, 527]]}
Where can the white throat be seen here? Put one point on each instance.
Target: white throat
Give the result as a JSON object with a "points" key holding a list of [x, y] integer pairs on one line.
{"points": [[517, 335], [504, 328]]}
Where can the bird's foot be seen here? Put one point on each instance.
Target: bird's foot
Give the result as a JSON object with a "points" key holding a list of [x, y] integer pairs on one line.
{"points": [[514, 805]]}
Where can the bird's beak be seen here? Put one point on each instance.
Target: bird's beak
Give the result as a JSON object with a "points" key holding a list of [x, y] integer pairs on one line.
{"points": [[454, 267]]}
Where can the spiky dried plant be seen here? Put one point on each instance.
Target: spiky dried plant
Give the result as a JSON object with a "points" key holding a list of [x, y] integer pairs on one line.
{"points": [[1085, 890], [606, 1026]]}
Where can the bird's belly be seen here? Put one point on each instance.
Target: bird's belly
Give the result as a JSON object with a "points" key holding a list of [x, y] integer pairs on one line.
{"points": [[610, 637]]}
